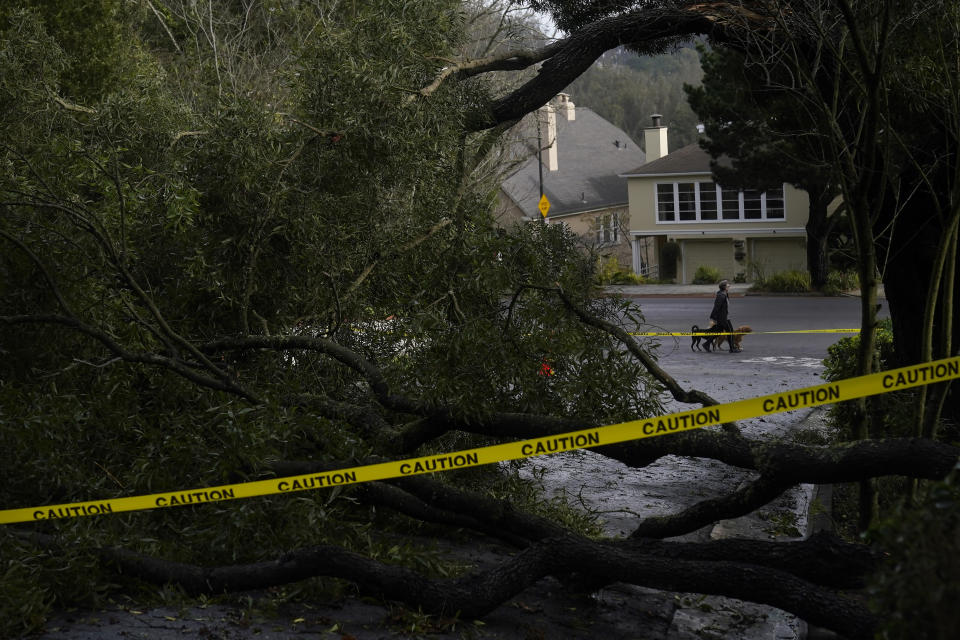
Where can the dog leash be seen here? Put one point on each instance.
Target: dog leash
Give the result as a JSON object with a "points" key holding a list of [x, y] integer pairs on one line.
{"points": [[737, 333]]}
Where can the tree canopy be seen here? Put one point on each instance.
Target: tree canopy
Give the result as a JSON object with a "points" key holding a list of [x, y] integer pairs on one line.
{"points": [[768, 140]]}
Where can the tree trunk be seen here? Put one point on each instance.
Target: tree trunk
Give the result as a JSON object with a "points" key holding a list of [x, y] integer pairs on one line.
{"points": [[860, 208], [912, 250], [710, 569], [818, 232]]}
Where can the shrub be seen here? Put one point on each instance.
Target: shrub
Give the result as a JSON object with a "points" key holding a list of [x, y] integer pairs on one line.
{"points": [[840, 281], [892, 416], [627, 277], [609, 272], [841, 360], [758, 273], [895, 408], [915, 590], [706, 275], [788, 282]]}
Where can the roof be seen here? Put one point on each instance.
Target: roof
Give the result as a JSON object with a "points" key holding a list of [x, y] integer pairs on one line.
{"points": [[591, 153], [690, 159]]}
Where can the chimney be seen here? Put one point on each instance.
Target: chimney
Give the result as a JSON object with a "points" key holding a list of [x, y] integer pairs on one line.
{"points": [[567, 107], [655, 139], [548, 139]]}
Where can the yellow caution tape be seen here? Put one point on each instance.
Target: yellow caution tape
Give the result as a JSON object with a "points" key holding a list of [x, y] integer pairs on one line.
{"points": [[849, 389], [738, 333]]}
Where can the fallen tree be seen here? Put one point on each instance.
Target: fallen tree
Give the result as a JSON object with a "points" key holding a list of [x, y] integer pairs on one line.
{"points": [[747, 571], [192, 291]]}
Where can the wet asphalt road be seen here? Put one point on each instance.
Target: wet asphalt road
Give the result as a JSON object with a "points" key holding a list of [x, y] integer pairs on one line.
{"points": [[762, 314]]}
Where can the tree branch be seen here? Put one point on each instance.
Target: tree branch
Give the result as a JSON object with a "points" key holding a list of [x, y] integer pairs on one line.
{"points": [[785, 465], [177, 366], [678, 392], [511, 61], [70, 106], [823, 558], [403, 248], [351, 359], [101, 236], [447, 503], [43, 269], [480, 592], [567, 59], [366, 419], [739, 503]]}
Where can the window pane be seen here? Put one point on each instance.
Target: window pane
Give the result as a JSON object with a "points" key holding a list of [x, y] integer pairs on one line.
{"points": [[730, 203], [708, 201], [665, 202], [751, 205], [686, 201], [775, 203]]}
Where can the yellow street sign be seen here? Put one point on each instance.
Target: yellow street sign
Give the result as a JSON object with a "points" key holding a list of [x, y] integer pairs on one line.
{"points": [[544, 205]]}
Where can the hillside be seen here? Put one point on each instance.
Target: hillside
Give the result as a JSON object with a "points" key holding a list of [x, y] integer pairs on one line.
{"points": [[626, 88]]}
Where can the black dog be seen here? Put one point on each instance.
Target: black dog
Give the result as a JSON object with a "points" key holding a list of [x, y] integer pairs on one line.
{"points": [[708, 340], [695, 341]]}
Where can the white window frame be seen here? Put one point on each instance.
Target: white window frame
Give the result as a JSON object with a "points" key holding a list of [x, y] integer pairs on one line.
{"points": [[606, 229], [764, 217]]}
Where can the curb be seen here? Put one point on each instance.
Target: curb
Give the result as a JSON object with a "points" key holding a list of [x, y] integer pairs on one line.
{"points": [[696, 291]]}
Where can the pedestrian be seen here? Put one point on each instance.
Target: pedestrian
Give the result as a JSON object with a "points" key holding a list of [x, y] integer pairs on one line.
{"points": [[719, 315]]}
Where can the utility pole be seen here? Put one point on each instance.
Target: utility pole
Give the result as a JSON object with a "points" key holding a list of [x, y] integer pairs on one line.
{"points": [[543, 219], [544, 204]]}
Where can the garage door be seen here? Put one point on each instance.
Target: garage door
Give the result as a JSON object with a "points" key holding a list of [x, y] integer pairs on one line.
{"points": [[773, 255], [712, 253]]}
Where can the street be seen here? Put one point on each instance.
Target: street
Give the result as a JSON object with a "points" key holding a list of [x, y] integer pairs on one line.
{"points": [[796, 359], [761, 313]]}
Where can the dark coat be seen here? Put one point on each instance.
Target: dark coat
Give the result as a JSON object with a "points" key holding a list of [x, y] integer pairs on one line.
{"points": [[720, 308]]}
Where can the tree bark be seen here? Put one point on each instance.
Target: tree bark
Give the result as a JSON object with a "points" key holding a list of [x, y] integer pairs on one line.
{"points": [[822, 559], [478, 593], [781, 466], [910, 265], [818, 233], [648, 26]]}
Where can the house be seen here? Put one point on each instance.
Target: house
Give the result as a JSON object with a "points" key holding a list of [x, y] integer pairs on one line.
{"points": [[581, 156], [745, 234]]}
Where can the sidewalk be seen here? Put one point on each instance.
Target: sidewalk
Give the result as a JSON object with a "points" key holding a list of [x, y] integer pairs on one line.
{"points": [[685, 290], [735, 289]]}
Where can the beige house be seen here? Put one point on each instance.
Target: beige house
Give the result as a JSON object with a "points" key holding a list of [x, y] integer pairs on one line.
{"points": [[581, 155], [742, 233]]}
